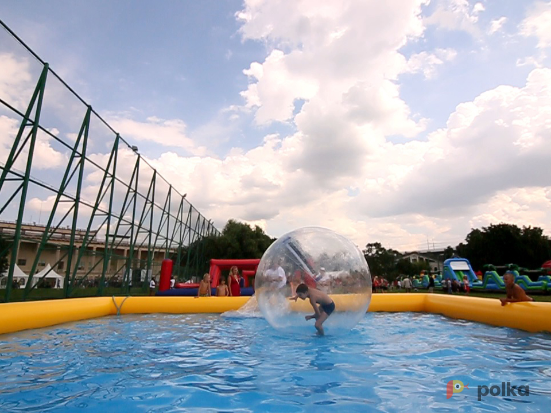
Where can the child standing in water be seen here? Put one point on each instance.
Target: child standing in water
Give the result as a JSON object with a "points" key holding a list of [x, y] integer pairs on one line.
{"points": [[204, 287], [321, 312]]}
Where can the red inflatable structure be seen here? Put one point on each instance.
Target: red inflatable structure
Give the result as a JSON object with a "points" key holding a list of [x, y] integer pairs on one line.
{"points": [[247, 268], [166, 274]]}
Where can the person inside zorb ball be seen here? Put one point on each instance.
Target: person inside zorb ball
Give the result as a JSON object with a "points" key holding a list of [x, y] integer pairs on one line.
{"points": [[313, 277]]}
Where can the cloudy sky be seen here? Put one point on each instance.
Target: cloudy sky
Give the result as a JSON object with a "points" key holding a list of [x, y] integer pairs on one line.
{"points": [[407, 122]]}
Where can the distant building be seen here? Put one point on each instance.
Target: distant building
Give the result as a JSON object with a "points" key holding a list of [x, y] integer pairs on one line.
{"points": [[436, 265], [31, 235]]}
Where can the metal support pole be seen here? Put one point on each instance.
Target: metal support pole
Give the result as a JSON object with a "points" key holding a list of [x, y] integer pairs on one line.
{"points": [[37, 98]]}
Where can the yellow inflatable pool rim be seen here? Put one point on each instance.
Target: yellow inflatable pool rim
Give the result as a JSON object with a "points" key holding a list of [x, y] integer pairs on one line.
{"points": [[528, 316]]}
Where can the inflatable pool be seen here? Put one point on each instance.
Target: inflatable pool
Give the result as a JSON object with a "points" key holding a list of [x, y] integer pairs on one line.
{"points": [[528, 316]]}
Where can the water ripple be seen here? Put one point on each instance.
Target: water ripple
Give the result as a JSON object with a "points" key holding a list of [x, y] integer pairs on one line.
{"points": [[168, 363]]}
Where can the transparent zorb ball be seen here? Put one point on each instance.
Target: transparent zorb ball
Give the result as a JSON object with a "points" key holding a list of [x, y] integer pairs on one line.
{"points": [[321, 259]]}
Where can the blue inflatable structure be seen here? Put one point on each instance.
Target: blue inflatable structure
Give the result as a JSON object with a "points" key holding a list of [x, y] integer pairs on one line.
{"points": [[457, 268]]}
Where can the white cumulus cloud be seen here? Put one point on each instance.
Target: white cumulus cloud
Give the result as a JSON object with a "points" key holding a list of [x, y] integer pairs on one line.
{"points": [[538, 23]]}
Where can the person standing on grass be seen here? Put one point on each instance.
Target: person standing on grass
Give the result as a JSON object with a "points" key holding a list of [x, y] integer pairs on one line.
{"points": [[466, 285], [407, 285]]}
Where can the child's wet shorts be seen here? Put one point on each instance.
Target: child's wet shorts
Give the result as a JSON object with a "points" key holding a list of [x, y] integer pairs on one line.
{"points": [[328, 308]]}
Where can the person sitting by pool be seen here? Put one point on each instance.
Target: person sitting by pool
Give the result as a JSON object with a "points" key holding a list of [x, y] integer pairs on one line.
{"points": [[326, 305], [204, 287], [222, 289], [515, 293]]}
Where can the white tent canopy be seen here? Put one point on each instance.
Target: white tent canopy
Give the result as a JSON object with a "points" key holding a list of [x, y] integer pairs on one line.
{"points": [[17, 272], [18, 275], [52, 275]]}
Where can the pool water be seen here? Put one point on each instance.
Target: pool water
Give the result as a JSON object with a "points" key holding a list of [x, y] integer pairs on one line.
{"points": [[391, 362]]}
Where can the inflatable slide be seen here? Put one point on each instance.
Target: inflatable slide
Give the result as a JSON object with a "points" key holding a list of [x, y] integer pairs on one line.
{"points": [[457, 269]]}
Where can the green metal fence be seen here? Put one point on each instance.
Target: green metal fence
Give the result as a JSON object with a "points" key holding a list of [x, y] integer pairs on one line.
{"points": [[109, 216]]}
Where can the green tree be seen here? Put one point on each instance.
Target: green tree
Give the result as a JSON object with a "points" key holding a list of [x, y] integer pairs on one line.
{"points": [[537, 248], [407, 267], [504, 244], [449, 252], [237, 241], [381, 261]]}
